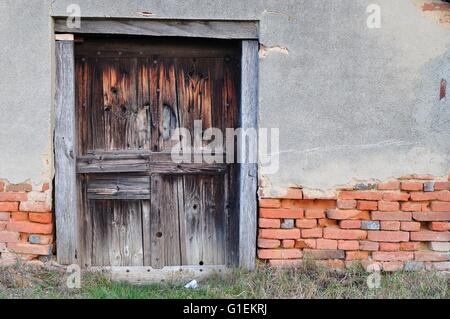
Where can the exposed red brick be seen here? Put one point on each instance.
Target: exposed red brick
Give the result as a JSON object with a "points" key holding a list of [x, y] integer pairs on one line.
{"points": [[396, 196], [9, 237], [37, 207], [389, 246], [31, 228], [305, 243], [314, 213], [268, 243], [422, 196], [390, 225], [367, 205], [293, 193], [388, 185], [336, 233], [350, 224], [431, 216], [356, 255], [346, 203], [279, 253], [287, 203], [281, 213], [431, 256], [392, 256], [410, 206], [288, 243], [433, 6], [400, 216], [23, 187], [343, 213], [426, 235], [440, 206], [315, 203], [4, 217], [43, 218], [410, 226], [388, 206], [306, 223], [440, 226], [325, 222], [326, 244], [441, 186], [411, 186], [443, 196], [364, 195], [9, 206], [369, 245], [312, 233], [269, 203], [25, 248], [12, 197], [410, 246], [19, 216], [348, 244], [2, 186], [269, 223], [388, 236]]}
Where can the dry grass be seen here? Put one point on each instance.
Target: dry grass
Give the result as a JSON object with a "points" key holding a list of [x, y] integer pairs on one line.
{"points": [[305, 282]]}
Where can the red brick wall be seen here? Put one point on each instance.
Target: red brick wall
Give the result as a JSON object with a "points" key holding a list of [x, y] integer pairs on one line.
{"points": [[26, 227], [399, 224]]}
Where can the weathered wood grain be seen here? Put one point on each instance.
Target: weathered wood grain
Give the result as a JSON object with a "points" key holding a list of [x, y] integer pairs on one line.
{"points": [[65, 152], [178, 28], [248, 170], [139, 206], [114, 186]]}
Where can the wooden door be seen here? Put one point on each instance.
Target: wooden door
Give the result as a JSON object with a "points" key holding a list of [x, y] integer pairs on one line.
{"points": [[137, 206]]}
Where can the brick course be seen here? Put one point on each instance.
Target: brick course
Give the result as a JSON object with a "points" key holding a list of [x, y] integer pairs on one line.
{"points": [[400, 224], [26, 221]]}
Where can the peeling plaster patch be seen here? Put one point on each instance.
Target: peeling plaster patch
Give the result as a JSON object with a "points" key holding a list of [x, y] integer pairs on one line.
{"points": [[438, 11], [264, 50]]}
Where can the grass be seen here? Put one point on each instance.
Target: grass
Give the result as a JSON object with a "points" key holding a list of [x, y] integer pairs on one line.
{"points": [[307, 281]]}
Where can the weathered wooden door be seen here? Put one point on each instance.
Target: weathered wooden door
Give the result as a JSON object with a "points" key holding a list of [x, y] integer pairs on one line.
{"points": [[137, 206]]}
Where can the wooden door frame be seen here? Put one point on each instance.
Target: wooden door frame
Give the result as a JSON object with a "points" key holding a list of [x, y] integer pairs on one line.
{"points": [[66, 193]]}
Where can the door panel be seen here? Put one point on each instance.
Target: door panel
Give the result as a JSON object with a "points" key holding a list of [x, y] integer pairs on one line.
{"points": [[138, 207]]}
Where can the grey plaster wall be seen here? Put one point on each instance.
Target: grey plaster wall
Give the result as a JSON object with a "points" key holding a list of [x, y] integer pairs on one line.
{"points": [[351, 103]]}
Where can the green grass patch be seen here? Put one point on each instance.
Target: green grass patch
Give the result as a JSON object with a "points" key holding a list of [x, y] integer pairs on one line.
{"points": [[305, 282]]}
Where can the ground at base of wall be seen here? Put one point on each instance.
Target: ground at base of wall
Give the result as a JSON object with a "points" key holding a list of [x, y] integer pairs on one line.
{"points": [[401, 224], [306, 281]]}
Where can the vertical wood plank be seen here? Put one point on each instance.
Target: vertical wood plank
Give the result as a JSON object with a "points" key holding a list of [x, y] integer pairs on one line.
{"points": [[248, 171], [65, 150], [126, 236], [102, 213]]}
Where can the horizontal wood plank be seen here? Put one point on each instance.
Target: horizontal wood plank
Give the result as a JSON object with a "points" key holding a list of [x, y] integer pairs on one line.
{"points": [[118, 187], [169, 28], [143, 162]]}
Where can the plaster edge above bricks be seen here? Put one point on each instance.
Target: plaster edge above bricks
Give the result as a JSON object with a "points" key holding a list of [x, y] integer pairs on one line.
{"points": [[400, 223], [26, 221]]}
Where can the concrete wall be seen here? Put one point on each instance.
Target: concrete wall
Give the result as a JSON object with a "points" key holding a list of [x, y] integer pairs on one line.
{"points": [[352, 103]]}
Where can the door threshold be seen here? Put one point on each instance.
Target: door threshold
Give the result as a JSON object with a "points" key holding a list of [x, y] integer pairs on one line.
{"points": [[147, 274]]}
